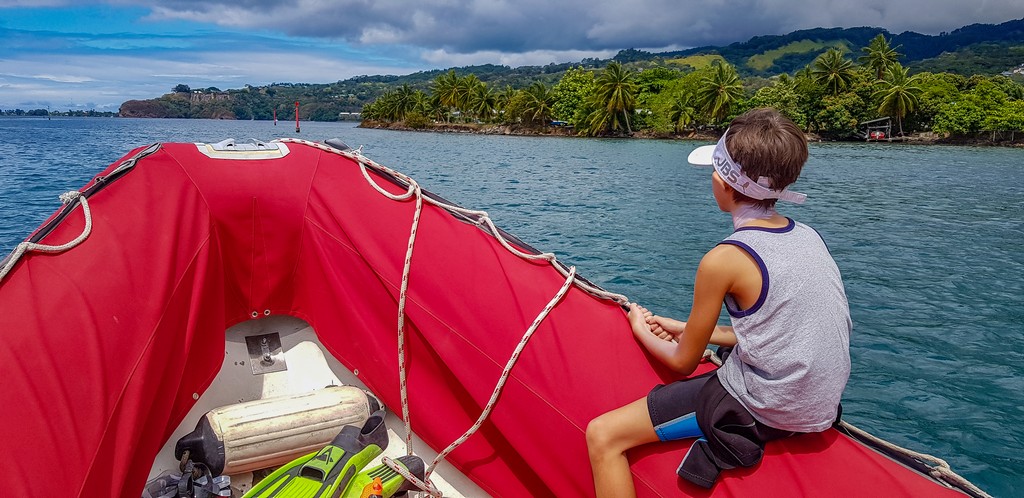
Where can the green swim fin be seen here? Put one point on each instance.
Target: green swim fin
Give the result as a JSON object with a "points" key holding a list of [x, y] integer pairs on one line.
{"points": [[393, 482], [326, 473]]}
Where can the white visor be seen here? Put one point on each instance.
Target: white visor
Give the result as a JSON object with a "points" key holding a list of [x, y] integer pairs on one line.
{"points": [[732, 173]]}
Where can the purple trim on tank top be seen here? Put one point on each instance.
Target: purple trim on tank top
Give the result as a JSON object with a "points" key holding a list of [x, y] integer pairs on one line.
{"points": [[822, 240], [764, 280], [789, 227]]}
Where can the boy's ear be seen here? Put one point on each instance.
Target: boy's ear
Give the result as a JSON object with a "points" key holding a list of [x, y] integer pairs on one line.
{"points": [[728, 188]]}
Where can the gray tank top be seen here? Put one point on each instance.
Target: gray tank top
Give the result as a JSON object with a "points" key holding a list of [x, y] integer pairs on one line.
{"points": [[792, 357]]}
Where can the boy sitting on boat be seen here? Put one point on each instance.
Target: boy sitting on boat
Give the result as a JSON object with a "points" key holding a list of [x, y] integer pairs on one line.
{"points": [[786, 355]]}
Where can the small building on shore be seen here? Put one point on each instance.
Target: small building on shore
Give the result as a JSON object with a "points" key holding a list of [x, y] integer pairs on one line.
{"points": [[879, 130]]}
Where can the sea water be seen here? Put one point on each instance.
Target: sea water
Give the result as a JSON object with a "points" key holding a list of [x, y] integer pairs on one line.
{"points": [[928, 239]]}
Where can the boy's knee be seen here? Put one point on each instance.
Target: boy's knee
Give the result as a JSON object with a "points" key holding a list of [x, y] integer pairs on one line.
{"points": [[598, 435]]}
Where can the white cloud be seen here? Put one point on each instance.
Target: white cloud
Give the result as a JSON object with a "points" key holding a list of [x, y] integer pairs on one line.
{"points": [[105, 82], [443, 58], [61, 78], [472, 26], [318, 41]]}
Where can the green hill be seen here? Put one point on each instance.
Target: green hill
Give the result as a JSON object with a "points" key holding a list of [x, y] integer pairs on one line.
{"points": [[976, 49], [776, 54]]}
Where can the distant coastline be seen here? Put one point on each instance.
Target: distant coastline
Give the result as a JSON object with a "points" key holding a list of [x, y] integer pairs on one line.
{"points": [[44, 113], [927, 138], [981, 139]]}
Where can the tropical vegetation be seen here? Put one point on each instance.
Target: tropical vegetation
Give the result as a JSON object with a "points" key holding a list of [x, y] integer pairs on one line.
{"points": [[829, 81], [831, 96]]}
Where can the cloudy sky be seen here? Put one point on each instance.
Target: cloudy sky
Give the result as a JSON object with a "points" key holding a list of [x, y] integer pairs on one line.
{"points": [[82, 54]]}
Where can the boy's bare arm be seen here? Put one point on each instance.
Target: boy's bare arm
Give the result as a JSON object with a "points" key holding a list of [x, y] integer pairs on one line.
{"points": [[670, 328], [714, 278], [723, 336]]}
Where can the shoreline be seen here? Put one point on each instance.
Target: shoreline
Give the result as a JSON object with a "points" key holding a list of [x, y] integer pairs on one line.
{"points": [[927, 138]]}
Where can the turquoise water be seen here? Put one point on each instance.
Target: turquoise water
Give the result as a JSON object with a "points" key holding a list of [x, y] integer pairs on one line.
{"points": [[928, 239]]}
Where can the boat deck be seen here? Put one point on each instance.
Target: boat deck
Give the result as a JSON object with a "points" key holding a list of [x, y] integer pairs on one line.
{"points": [[307, 367]]}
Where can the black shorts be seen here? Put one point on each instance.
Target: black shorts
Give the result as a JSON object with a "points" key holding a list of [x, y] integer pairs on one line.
{"points": [[729, 436], [673, 407]]}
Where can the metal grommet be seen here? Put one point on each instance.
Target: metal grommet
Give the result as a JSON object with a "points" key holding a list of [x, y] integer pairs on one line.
{"points": [[355, 372], [255, 314], [195, 395], [266, 312]]}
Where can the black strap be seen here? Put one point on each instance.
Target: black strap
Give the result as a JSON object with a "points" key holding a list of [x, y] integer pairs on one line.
{"points": [[190, 473]]}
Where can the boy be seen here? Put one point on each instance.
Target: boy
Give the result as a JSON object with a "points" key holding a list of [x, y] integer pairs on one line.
{"points": [[786, 355]]}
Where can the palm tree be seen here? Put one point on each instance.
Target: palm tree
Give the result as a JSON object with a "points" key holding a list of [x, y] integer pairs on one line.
{"points": [[446, 89], [718, 91], [682, 113], [878, 55], [537, 108], [389, 106], [504, 97], [803, 79], [898, 93], [422, 103], [405, 101], [833, 71], [483, 101], [596, 122], [465, 88], [385, 108], [438, 111], [786, 80], [371, 111], [615, 92]]}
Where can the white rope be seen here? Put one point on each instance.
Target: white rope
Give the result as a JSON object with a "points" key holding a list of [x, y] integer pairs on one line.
{"points": [[505, 373], [414, 190], [67, 198], [424, 485], [25, 247], [712, 357], [401, 322], [478, 217], [939, 468]]}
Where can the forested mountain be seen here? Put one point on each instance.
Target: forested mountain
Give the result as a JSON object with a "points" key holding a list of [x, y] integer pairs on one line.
{"points": [[769, 55], [983, 49]]}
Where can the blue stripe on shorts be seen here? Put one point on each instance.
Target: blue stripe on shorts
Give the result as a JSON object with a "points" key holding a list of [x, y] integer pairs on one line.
{"points": [[679, 428]]}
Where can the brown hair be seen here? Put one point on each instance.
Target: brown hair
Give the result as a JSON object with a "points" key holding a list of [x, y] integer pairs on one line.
{"points": [[766, 143]]}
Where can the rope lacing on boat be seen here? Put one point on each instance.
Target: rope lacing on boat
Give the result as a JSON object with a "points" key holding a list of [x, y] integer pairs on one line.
{"points": [[68, 198], [505, 373], [25, 247], [938, 468], [414, 192], [478, 217]]}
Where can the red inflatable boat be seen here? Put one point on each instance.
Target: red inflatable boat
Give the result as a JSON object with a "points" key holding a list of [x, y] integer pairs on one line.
{"points": [[119, 315]]}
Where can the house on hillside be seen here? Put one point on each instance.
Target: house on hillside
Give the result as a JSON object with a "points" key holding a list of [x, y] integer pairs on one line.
{"points": [[201, 96], [1019, 70]]}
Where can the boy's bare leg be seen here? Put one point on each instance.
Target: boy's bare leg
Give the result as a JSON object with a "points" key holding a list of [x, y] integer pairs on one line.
{"points": [[608, 438]]}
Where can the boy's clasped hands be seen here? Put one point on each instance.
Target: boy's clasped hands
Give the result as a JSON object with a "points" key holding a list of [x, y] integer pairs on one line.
{"points": [[641, 320]]}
